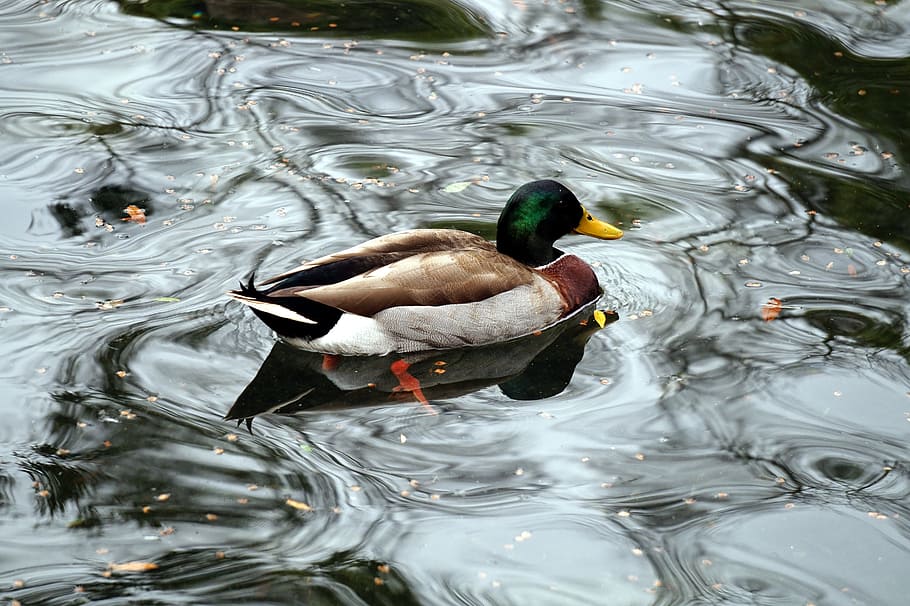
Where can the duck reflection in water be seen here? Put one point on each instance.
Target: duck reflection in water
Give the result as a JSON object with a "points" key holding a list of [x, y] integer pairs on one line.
{"points": [[534, 367]]}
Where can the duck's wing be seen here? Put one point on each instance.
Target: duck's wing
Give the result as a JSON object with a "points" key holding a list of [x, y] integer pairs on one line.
{"points": [[379, 252], [424, 279]]}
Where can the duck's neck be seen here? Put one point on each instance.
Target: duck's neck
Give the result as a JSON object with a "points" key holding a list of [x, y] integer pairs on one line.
{"points": [[531, 250]]}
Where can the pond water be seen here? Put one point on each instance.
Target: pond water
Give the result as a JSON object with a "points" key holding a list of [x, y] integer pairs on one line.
{"points": [[737, 435]]}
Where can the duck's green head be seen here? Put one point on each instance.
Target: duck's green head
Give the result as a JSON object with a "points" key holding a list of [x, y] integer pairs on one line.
{"points": [[538, 214]]}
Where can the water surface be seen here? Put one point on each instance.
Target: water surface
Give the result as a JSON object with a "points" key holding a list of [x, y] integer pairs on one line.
{"points": [[737, 436]]}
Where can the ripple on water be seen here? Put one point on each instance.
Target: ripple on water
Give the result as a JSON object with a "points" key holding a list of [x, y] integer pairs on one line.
{"points": [[329, 81], [861, 473], [743, 556], [699, 445]]}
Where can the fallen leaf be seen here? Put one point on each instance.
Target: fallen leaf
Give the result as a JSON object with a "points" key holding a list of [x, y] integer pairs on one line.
{"points": [[133, 567], [454, 188], [600, 317], [298, 505], [109, 304], [771, 309], [135, 214], [167, 299]]}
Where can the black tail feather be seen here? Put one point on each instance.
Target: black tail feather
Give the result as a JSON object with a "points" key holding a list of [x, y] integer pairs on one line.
{"points": [[249, 289], [324, 316]]}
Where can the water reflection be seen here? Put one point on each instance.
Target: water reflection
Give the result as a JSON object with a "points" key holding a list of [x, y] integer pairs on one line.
{"points": [[531, 368], [106, 207], [412, 20]]}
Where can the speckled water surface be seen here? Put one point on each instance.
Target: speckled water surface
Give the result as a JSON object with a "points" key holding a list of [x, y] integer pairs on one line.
{"points": [[736, 435]]}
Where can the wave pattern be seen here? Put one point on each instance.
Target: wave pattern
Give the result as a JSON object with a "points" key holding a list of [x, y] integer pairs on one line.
{"points": [[742, 421]]}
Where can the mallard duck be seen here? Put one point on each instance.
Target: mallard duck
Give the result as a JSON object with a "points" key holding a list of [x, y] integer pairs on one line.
{"points": [[531, 368], [426, 289]]}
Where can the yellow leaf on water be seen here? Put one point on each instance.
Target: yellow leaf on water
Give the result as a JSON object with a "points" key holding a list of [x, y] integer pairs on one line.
{"points": [[133, 567], [600, 317], [454, 188], [298, 505]]}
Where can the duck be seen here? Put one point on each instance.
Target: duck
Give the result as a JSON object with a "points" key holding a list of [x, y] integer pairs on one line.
{"points": [[436, 289]]}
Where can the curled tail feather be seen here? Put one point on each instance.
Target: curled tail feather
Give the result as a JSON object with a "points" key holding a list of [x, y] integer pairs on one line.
{"points": [[287, 313]]}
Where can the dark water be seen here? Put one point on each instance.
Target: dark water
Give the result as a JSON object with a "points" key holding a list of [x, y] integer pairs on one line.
{"points": [[710, 447]]}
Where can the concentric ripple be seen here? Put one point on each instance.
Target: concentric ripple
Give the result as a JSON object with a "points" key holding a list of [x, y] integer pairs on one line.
{"points": [[737, 435]]}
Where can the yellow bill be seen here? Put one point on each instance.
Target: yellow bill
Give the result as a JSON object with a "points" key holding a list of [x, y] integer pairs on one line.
{"points": [[594, 227]]}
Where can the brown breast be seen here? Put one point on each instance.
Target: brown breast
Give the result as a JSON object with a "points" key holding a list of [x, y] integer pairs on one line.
{"points": [[574, 279]]}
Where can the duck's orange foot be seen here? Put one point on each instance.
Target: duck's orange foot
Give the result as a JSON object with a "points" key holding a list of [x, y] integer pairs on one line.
{"points": [[330, 361], [409, 383]]}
